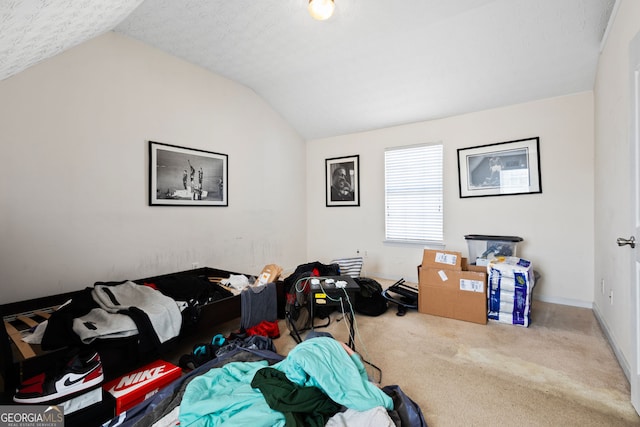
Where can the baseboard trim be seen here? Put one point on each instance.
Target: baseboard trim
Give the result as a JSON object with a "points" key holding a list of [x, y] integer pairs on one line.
{"points": [[616, 350], [564, 301]]}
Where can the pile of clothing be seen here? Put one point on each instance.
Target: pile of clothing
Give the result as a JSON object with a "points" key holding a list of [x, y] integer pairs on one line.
{"points": [[111, 310], [312, 384], [220, 345]]}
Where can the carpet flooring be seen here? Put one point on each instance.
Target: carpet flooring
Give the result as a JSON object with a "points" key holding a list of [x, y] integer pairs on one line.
{"points": [[560, 371]]}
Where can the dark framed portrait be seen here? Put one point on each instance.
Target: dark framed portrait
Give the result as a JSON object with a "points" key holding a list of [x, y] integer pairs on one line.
{"points": [[343, 181]]}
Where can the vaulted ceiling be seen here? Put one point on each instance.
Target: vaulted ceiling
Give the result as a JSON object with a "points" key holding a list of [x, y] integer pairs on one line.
{"points": [[374, 64]]}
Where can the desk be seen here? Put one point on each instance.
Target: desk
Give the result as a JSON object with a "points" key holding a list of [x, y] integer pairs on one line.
{"points": [[325, 293]]}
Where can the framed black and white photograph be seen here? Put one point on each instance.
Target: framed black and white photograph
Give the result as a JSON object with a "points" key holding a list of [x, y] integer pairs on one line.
{"points": [[503, 168], [181, 176], [343, 181]]}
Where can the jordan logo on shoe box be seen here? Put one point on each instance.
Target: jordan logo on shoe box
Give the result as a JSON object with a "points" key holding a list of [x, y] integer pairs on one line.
{"points": [[136, 386]]}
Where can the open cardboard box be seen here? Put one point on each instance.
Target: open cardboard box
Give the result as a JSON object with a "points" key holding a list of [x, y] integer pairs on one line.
{"points": [[472, 267], [449, 260], [446, 290]]}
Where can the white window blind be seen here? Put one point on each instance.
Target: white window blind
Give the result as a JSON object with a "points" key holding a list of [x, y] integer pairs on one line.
{"points": [[413, 193]]}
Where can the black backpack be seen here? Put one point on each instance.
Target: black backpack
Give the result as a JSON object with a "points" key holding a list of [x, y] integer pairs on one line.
{"points": [[369, 300], [307, 270]]}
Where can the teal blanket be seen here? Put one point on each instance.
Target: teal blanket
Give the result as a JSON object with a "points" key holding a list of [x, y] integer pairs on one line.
{"points": [[224, 396]]}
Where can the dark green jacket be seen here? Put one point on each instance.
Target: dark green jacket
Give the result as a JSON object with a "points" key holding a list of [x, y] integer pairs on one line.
{"points": [[301, 406]]}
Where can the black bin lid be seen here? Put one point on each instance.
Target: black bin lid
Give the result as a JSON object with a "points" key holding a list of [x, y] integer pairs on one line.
{"points": [[488, 237]]}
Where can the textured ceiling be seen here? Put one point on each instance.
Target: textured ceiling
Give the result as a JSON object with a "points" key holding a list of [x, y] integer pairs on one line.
{"points": [[34, 30], [374, 64]]}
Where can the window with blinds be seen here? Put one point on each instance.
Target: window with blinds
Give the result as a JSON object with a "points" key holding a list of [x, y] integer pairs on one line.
{"points": [[413, 193]]}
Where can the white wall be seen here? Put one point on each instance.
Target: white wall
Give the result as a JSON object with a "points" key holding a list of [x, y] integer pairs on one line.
{"points": [[74, 179], [557, 225], [74, 175], [613, 178]]}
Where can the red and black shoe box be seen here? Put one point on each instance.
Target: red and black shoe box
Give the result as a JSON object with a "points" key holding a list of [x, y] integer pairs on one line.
{"points": [[140, 384]]}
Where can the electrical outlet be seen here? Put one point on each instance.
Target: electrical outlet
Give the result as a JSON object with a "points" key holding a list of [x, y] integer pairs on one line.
{"points": [[602, 286], [194, 265]]}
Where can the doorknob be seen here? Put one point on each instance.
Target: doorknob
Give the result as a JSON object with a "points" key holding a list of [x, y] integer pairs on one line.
{"points": [[631, 241]]}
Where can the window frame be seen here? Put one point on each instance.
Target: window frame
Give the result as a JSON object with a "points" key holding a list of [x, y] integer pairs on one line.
{"points": [[420, 177]]}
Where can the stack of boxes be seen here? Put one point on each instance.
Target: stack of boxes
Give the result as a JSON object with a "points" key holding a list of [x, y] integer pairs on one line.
{"points": [[511, 281], [448, 289], [493, 285]]}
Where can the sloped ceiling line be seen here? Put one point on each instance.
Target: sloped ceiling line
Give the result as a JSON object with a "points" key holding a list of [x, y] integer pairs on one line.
{"points": [[374, 64]]}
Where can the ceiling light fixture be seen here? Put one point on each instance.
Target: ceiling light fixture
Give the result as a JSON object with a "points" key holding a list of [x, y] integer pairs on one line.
{"points": [[321, 9]]}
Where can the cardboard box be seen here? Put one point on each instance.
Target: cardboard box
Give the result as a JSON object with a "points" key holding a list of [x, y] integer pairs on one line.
{"points": [[454, 294], [470, 267], [270, 274], [448, 260], [140, 384]]}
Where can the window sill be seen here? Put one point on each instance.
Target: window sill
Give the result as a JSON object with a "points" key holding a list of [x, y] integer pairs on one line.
{"points": [[427, 244]]}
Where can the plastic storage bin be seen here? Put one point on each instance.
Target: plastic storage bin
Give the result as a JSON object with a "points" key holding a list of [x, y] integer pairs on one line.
{"points": [[483, 248]]}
